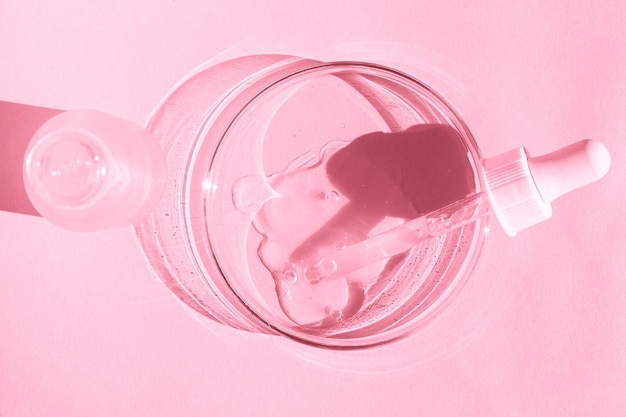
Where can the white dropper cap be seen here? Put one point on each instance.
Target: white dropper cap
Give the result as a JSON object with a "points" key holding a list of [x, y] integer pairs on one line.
{"points": [[85, 170], [521, 188]]}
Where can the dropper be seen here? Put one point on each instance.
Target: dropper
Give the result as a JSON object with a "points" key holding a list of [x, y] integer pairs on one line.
{"points": [[519, 191]]}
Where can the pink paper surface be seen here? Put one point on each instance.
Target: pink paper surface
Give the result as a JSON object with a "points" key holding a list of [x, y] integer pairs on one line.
{"points": [[540, 328]]}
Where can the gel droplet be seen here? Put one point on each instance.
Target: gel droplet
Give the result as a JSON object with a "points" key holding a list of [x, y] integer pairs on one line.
{"points": [[322, 270], [290, 276], [332, 196]]}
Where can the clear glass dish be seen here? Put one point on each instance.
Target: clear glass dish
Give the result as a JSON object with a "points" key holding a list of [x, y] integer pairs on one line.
{"points": [[256, 118]]}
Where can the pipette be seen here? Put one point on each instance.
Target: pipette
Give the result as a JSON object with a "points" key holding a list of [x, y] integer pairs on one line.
{"points": [[519, 190]]}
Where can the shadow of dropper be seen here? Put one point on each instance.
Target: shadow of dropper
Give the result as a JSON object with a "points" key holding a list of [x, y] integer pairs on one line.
{"points": [[400, 174]]}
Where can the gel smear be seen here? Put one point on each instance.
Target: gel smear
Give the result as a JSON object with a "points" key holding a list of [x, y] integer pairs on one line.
{"points": [[297, 207], [346, 193]]}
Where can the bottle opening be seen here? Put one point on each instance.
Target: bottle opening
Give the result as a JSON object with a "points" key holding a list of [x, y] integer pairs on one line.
{"points": [[67, 168]]}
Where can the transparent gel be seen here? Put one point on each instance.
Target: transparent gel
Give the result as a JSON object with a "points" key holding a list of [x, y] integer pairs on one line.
{"points": [[325, 253]]}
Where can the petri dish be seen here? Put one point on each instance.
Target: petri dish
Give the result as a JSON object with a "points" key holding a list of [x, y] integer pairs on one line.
{"points": [[269, 153]]}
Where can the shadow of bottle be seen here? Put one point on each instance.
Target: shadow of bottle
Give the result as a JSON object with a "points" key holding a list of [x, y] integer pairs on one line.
{"points": [[18, 123]]}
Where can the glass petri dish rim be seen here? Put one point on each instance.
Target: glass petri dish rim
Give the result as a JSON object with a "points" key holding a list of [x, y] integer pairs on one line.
{"points": [[478, 236]]}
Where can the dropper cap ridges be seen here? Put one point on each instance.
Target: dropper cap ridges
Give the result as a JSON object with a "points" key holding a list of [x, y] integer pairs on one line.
{"points": [[521, 188]]}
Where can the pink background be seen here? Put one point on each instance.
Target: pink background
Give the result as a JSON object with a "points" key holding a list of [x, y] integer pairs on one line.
{"points": [[540, 329]]}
